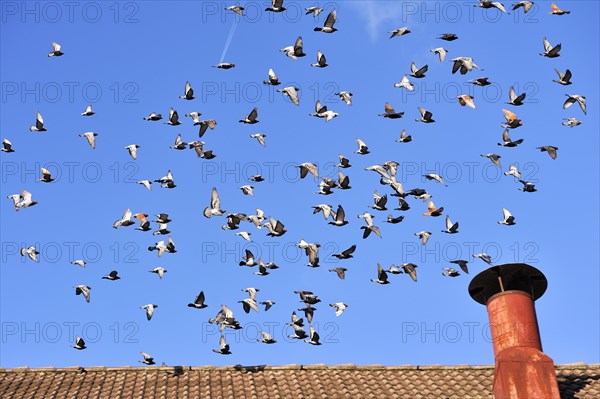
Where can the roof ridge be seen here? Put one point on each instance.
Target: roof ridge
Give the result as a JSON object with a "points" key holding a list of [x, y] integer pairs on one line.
{"points": [[254, 368]]}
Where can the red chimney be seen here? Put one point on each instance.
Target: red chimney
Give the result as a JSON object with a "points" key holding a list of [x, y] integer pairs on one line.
{"points": [[522, 370]]}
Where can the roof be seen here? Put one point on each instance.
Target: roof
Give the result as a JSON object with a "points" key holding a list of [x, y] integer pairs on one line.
{"points": [[577, 380]]}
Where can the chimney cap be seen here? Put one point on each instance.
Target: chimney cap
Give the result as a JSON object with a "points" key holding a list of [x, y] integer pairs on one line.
{"points": [[507, 277]]}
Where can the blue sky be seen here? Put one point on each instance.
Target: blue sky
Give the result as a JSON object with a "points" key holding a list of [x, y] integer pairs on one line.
{"points": [[131, 58]]}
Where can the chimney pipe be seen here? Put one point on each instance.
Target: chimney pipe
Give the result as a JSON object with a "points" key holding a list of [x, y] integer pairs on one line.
{"points": [[522, 369]]}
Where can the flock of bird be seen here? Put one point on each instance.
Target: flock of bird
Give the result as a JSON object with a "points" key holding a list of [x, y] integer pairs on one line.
{"points": [[334, 215]]}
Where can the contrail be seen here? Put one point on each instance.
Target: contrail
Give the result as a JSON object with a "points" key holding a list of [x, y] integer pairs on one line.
{"points": [[229, 38]]}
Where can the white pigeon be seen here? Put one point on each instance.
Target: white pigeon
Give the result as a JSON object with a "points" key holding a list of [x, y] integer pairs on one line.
{"points": [[404, 84], [31, 252], [339, 307], [513, 171], [79, 262], [91, 138], [132, 148], [145, 183], [509, 219], [149, 310], [88, 111]]}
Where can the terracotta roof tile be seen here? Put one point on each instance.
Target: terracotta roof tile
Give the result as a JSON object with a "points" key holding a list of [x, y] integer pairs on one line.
{"points": [[577, 380]]}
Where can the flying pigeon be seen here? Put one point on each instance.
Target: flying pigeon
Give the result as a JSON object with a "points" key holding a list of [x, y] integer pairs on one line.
{"points": [[432, 210], [223, 347], [149, 310], [345, 96], [563, 78], [514, 99], [451, 228], [462, 264], [495, 158], [362, 147], [450, 272], [404, 137], [484, 257], [315, 11], [390, 112], [491, 4], [329, 22], [39, 124], [418, 73], [236, 9], [6, 146], [425, 116], [173, 118], [153, 117], [79, 343], [571, 122], [160, 271], [149, 360], [215, 205], [404, 84], [224, 65], [424, 236], [88, 111], [467, 100], [113, 275], [291, 92], [382, 277], [528, 187], [321, 60], [448, 37], [83, 290], [525, 4], [31, 252], [339, 307], [188, 92], [273, 79], [507, 142], [557, 11], [340, 271], [509, 220], [551, 150], [575, 98], [346, 254], [441, 52], [294, 51], [399, 32], [323, 112], [251, 117], [56, 52], [549, 51]]}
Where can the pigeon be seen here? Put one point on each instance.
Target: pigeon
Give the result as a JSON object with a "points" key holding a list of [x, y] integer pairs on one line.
{"points": [[273, 79], [245, 235], [23, 200], [125, 220], [312, 251], [441, 52], [160, 271], [205, 125], [294, 51], [343, 181], [450, 272], [247, 190], [340, 271], [39, 124], [257, 219], [424, 236], [507, 142], [326, 209], [410, 269], [436, 177], [369, 227], [481, 82], [451, 228], [551, 150], [145, 183], [495, 158], [513, 171], [571, 122], [382, 277], [56, 51], [512, 121], [557, 11], [528, 187], [347, 254], [173, 118], [390, 112], [404, 137], [323, 112], [268, 304], [91, 138], [467, 100], [432, 210], [464, 64], [307, 167], [149, 310], [362, 147], [161, 247], [83, 290], [308, 312], [448, 37], [198, 146], [418, 73], [248, 260], [425, 116], [145, 224], [402, 205], [224, 65], [149, 360], [491, 4], [404, 84], [399, 32], [236, 9], [345, 96], [314, 336], [257, 178], [315, 11], [251, 117], [88, 111], [462, 264], [329, 22], [339, 307], [484, 257], [321, 60], [549, 51], [31, 252], [509, 220], [153, 117], [249, 304], [394, 220], [291, 92], [6, 146], [379, 201], [215, 205], [344, 162], [113, 275], [223, 347], [339, 217], [188, 92], [46, 176], [275, 227], [251, 292], [514, 99], [563, 78], [266, 337], [79, 262], [525, 4], [132, 149], [79, 343], [179, 144], [575, 98], [299, 332]]}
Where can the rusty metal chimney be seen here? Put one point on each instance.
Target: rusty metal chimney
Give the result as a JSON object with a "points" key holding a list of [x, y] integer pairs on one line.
{"points": [[522, 369]]}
